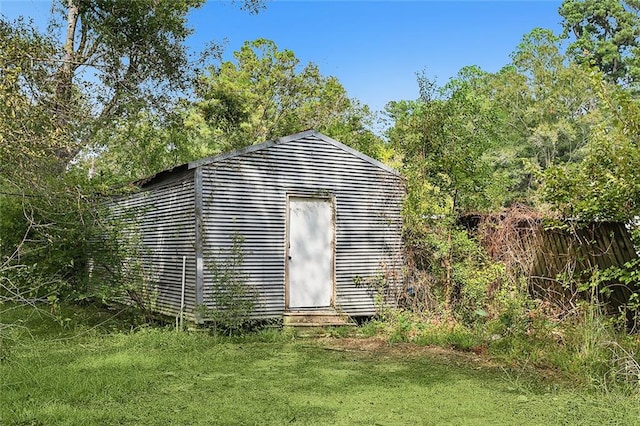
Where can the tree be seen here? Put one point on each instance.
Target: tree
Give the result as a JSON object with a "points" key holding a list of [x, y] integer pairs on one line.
{"points": [[484, 141], [30, 138], [546, 106], [66, 99], [120, 56], [138, 146], [443, 139], [28, 133], [559, 98], [55, 98], [112, 58], [605, 185], [487, 136], [266, 93], [607, 35]]}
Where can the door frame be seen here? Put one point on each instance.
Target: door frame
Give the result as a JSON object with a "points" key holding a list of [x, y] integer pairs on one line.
{"points": [[331, 199]]}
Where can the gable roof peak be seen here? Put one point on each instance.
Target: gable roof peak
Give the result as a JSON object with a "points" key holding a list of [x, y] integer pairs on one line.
{"points": [[307, 134]]}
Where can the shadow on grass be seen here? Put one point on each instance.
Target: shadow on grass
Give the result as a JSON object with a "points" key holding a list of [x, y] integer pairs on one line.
{"points": [[158, 376]]}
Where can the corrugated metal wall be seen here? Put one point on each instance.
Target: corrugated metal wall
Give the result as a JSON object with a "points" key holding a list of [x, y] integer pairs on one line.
{"points": [[161, 217], [247, 194]]}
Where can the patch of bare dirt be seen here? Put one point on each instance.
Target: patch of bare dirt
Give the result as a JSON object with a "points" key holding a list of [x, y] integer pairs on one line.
{"points": [[380, 347]]}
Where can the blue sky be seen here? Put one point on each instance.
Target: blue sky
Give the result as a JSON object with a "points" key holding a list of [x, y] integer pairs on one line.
{"points": [[373, 47]]}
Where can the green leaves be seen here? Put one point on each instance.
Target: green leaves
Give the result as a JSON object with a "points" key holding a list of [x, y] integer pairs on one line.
{"points": [[605, 184], [607, 35], [265, 93], [92, 92], [443, 138], [29, 134]]}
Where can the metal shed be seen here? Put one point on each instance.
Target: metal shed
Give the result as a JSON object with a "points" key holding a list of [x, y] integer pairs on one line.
{"points": [[319, 223]]}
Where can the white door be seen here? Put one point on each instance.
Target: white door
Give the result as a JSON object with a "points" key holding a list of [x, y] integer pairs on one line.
{"points": [[310, 257]]}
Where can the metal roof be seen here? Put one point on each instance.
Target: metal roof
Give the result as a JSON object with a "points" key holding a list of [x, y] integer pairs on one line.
{"points": [[284, 140], [145, 182]]}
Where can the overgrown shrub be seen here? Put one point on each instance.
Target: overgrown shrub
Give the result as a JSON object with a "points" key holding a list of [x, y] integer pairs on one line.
{"points": [[470, 291], [117, 272], [232, 299], [43, 238], [450, 273]]}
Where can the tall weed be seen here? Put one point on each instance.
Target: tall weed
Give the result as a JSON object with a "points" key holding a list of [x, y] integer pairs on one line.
{"points": [[232, 300]]}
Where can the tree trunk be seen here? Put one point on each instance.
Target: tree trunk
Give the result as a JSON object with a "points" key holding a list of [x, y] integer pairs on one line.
{"points": [[64, 80], [451, 293]]}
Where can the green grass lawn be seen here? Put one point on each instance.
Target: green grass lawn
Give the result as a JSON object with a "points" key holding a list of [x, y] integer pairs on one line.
{"points": [[159, 377]]}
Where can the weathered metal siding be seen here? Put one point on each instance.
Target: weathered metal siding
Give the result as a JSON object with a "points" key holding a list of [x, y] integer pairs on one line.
{"points": [[161, 218], [247, 194]]}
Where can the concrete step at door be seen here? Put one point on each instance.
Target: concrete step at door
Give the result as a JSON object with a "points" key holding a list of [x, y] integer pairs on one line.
{"points": [[316, 318]]}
